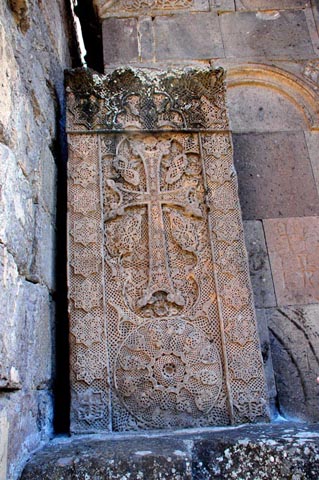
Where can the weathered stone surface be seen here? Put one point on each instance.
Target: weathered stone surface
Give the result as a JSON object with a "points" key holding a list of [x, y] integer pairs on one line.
{"points": [[263, 331], [43, 266], [260, 109], [282, 451], [273, 170], [22, 342], [312, 139], [192, 99], [120, 41], [108, 8], [34, 52], [16, 210], [293, 246], [222, 5], [163, 294], [295, 353], [194, 36], [271, 4], [29, 416], [4, 434], [260, 272], [146, 38], [270, 35]]}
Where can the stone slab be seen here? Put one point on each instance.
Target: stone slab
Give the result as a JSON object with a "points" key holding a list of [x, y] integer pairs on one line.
{"points": [[273, 170], [120, 45], [282, 34], [259, 266], [185, 36], [295, 353], [271, 4], [293, 246], [285, 451]]}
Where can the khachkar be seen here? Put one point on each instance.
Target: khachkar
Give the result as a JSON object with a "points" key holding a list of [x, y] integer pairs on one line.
{"points": [[163, 332]]}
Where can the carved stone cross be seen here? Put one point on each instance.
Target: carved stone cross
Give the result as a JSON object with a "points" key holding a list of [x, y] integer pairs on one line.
{"points": [[151, 154], [163, 332]]}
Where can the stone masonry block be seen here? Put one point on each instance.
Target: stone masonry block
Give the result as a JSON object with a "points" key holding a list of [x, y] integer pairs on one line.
{"points": [[24, 420], [25, 329], [273, 170], [258, 109], [195, 36], [270, 35], [146, 38], [263, 331], [295, 354], [260, 272], [293, 246], [38, 336], [222, 5], [271, 4], [120, 45], [48, 175], [16, 210], [312, 139], [11, 321], [43, 265]]}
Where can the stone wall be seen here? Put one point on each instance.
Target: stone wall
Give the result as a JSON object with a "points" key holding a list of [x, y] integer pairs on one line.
{"points": [[270, 51], [34, 51]]}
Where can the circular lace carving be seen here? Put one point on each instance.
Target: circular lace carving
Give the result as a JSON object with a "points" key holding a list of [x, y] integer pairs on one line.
{"points": [[167, 372]]}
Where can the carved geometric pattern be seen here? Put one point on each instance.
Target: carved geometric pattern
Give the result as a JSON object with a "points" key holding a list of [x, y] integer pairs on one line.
{"points": [[88, 365], [85, 201], [127, 99], [109, 6], [161, 311], [86, 295], [85, 231], [91, 406], [242, 296], [171, 367], [89, 331], [247, 405], [89, 373], [84, 174], [85, 263]]}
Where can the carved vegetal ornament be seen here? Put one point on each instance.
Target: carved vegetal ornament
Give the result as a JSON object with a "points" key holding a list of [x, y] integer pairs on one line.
{"points": [[163, 332]]}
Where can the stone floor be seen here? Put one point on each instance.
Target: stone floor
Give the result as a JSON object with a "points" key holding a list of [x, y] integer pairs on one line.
{"points": [[273, 451]]}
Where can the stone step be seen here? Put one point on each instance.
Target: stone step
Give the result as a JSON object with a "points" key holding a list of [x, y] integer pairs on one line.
{"points": [[265, 451]]}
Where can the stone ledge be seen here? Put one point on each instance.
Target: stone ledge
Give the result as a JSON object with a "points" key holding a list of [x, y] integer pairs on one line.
{"points": [[282, 450]]}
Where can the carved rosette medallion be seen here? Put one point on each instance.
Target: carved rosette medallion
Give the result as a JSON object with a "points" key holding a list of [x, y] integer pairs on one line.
{"points": [[168, 373], [163, 332]]}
